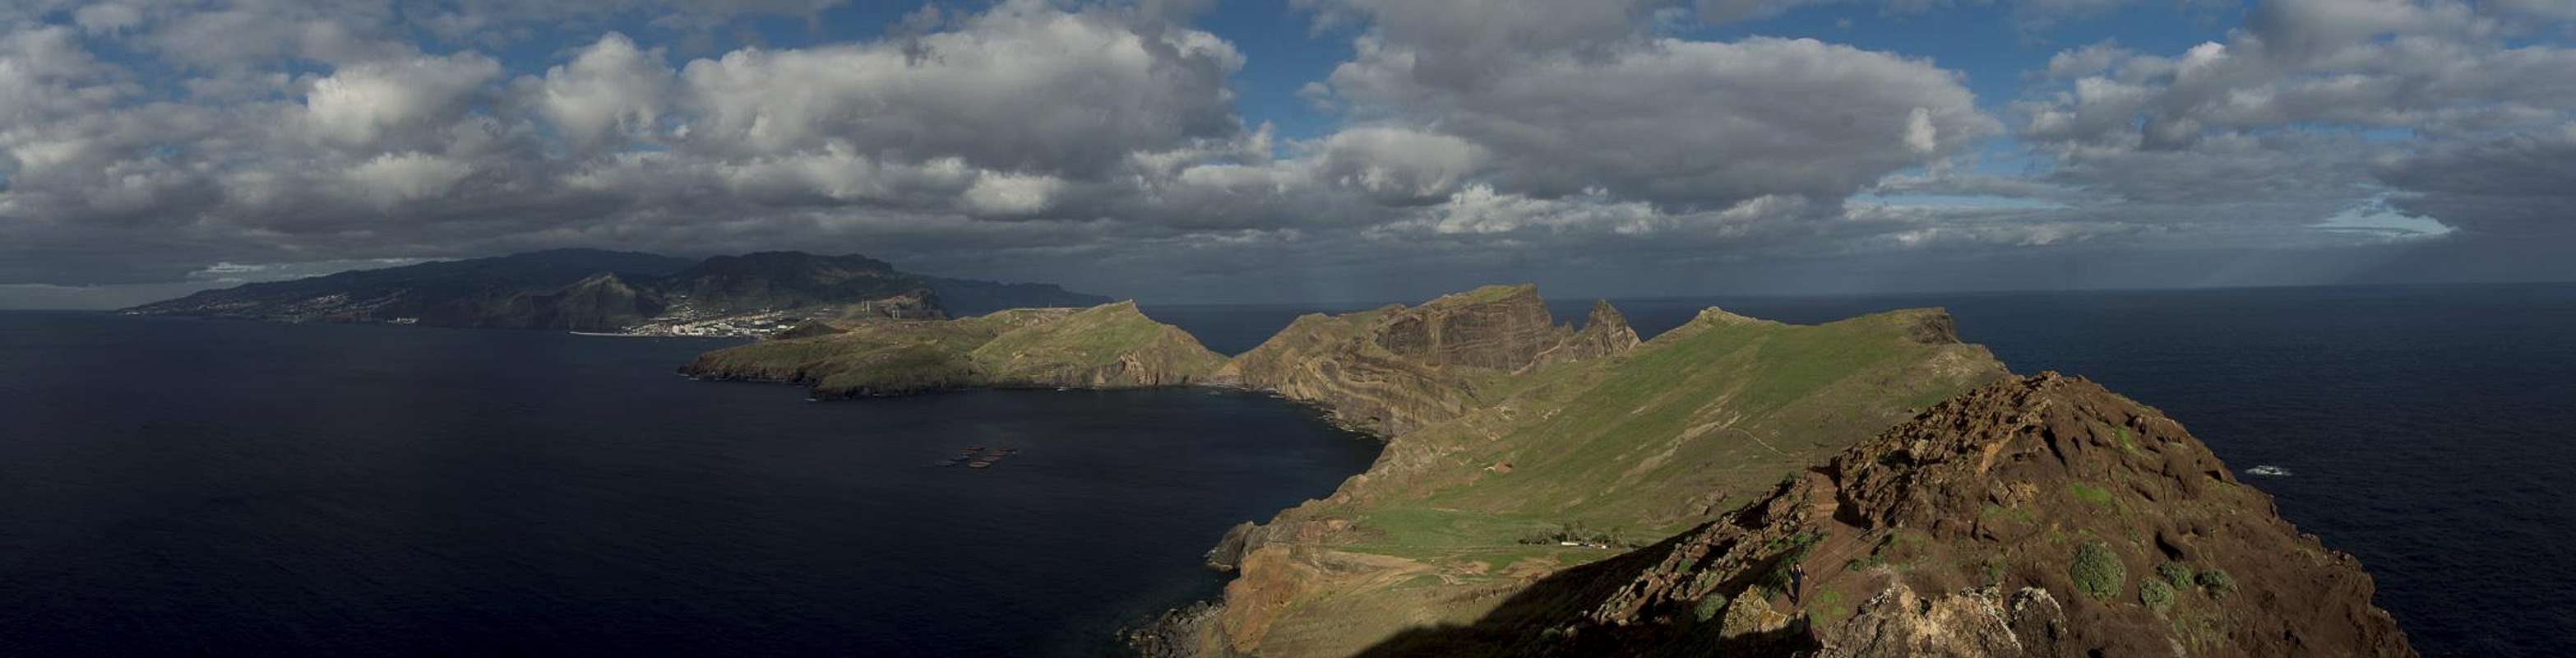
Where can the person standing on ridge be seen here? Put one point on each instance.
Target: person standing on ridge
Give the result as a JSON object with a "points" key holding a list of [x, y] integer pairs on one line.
{"points": [[1797, 583]]}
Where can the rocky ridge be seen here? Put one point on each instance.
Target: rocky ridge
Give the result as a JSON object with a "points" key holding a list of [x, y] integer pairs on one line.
{"points": [[1579, 445], [2036, 516]]}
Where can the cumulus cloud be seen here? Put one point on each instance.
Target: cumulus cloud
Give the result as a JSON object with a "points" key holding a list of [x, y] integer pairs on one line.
{"points": [[359, 105], [144, 142], [1015, 113], [1682, 123], [2515, 186], [610, 90], [2295, 118], [396, 178], [1025, 86]]}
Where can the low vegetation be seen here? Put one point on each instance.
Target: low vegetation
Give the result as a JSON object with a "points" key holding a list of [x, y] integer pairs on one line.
{"points": [[2097, 571], [2155, 593], [1576, 532], [2217, 582], [2175, 574]]}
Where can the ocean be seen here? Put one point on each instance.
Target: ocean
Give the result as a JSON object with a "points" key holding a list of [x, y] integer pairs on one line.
{"points": [[174, 486], [183, 486]]}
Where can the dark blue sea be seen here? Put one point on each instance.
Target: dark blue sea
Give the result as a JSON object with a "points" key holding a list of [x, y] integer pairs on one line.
{"points": [[173, 486], [180, 486]]}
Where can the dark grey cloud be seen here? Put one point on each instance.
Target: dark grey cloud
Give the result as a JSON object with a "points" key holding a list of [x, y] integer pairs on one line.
{"points": [[170, 144], [2517, 186]]}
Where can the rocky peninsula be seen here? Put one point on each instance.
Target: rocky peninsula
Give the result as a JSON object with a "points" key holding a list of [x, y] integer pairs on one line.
{"points": [[616, 292], [1867, 487], [1106, 346]]}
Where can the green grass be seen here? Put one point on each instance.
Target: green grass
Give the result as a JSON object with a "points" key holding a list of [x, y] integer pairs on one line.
{"points": [[1723, 407], [1095, 338], [2017, 514], [2092, 494], [1826, 609], [2127, 439]]}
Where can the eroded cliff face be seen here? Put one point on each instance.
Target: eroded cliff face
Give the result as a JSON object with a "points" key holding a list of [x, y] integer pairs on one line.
{"points": [[1605, 333], [1395, 369], [2037, 516], [1106, 346], [1495, 327]]}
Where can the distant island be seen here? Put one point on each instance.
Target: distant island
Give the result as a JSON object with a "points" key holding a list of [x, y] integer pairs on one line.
{"points": [[618, 292], [1735, 486]]}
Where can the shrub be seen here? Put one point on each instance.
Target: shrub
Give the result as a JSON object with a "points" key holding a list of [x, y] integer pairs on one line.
{"points": [[2218, 581], [2098, 572], [2175, 573], [1709, 606], [2155, 593]]}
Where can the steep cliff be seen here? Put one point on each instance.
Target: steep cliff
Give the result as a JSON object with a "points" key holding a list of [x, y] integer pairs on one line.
{"points": [[1106, 346], [2036, 516], [1395, 369]]}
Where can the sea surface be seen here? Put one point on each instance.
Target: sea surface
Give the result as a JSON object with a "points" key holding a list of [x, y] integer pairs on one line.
{"points": [[183, 486], [2428, 430]]}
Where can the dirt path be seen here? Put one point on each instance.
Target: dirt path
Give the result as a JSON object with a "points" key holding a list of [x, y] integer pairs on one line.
{"points": [[1826, 562]]}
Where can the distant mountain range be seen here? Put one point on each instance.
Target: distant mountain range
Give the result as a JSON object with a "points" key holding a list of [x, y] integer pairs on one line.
{"points": [[617, 291]]}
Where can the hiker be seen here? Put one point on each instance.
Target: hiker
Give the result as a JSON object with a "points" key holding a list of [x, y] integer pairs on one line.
{"points": [[1797, 583]]}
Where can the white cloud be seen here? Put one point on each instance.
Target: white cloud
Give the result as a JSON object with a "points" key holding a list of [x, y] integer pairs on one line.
{"points": [[395, 178], [1011, 194], [1024, 86], [1682, 122], [611, 89], [1033, 133], [361, 104]]}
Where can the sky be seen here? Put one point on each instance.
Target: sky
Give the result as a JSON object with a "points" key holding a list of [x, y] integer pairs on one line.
{"points": [[1308, 150]]}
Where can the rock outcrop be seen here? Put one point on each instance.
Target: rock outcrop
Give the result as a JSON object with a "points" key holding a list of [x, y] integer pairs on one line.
{"points": [[1605, 333], [2036, 516], [1979, 622], [1395, 369], [1106, 346]]}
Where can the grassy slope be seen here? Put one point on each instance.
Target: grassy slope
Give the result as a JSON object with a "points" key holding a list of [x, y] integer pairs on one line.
{"points": [[1018, 347], [1647, 444], [1099, 338]]}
